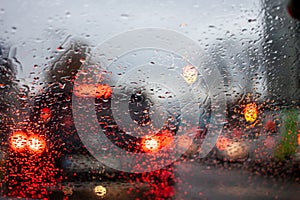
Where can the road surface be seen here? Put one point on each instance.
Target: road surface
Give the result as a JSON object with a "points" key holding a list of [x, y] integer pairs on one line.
{"points": [[199, 181]]}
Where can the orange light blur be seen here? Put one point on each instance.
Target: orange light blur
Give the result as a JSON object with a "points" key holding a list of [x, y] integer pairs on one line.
{"points": [[18, 141], [36, 144], [165, 138], [151, 144], [92, 91], [250, 112], [298, 137], [155, 142]]}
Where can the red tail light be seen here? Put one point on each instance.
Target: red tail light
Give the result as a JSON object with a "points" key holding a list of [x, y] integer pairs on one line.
{"points": [[18, 141], [36, 144]]}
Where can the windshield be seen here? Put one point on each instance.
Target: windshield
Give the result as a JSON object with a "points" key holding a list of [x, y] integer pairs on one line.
{"points": [[149, 100]]}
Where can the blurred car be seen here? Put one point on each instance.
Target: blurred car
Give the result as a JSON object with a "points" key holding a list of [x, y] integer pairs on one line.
{"points": [[255, 118], [51, 114], [26, 169], [260, 132], [43, 152]]}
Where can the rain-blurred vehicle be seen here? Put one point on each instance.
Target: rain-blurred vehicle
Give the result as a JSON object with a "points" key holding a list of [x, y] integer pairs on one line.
{"points": [[46, 155], [27, 169], [257, 122]]}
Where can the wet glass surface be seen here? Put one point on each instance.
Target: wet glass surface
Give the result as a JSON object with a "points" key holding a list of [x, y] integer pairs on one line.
{"points": [[157, 100]]}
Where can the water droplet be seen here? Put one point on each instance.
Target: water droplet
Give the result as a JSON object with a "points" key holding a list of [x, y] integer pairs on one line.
{"points": [[50, 19], [68, 14], [251, 20], [124, 16], [82, 60], [145, 111], [2, 11], [182, 25], [60, 48], [13, 29]]}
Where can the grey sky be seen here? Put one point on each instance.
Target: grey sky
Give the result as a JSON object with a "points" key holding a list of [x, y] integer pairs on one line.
{"points": [[36, 28]]}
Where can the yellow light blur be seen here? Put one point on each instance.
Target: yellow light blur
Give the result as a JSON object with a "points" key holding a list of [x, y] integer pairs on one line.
{"points": [[250, 112], [189, 74], [100, 191]]}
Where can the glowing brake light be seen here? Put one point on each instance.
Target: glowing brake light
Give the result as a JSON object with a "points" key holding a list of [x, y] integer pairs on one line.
{"points": [[18, 141], [36, 144], [250, 112]]}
